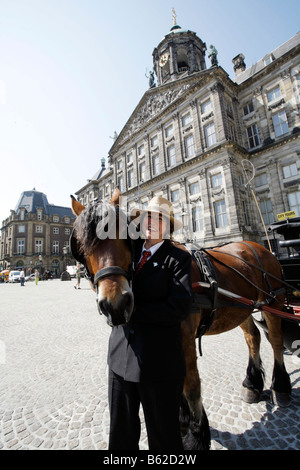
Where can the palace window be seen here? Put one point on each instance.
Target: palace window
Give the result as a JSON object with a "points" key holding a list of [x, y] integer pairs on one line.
{"points": [[210, 134], [267, 211], [56, 230], [294, 202], [171, 155], [261, 180], [186, 119], [121, 183], [197, 219], [206, 107], [274, 94], [154, 141], [141, 150], [156, 165], [248, 108], [189, 146], [169, 130], [39, 229], [194, 188], [142, 172], [280, 123], [253, 136], [220, 213], [130, 178], [290, 170], [216, 180], [175, 195]]}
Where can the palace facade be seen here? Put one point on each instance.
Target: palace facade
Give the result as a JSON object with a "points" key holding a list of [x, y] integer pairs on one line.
{"points": [[224, 151]]}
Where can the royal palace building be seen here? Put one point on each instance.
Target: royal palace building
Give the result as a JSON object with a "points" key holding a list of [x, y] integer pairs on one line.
{"points": [[224, 151], [36, 235]]}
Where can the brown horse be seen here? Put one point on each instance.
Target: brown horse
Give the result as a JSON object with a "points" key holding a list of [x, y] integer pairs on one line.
{"points": [[244, 268]]}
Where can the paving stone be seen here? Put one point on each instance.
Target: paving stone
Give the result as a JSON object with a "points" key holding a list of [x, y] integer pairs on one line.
{"points": [[53, 391]]}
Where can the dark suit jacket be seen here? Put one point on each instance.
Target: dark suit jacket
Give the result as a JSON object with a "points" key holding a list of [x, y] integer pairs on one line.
{"points": [[150, 346]]}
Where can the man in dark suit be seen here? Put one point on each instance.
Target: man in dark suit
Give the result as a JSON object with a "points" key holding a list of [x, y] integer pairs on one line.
{"points": [[145, 357]]}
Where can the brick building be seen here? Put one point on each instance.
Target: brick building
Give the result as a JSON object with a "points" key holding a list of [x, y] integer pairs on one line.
{"points": [[36, 235]]}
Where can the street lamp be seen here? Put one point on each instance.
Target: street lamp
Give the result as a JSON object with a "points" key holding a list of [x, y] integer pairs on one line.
{"points": [[65, 252]]}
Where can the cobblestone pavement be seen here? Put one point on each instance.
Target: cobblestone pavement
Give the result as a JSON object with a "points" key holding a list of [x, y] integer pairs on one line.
{"points": [[53, 387]]}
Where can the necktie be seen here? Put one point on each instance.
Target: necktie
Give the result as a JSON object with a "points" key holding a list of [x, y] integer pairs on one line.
{"points": [[144, 258]]}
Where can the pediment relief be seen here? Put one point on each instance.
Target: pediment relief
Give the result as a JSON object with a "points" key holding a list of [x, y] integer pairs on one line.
{"points": [[150, 107]]}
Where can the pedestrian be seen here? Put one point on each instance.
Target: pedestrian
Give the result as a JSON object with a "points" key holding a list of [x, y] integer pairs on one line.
{"points": [[22, 278], [145, 357], [37, 277], [78, 277]]}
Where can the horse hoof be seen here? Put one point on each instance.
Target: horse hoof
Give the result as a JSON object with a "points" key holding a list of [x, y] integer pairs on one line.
{"points": [[250, 395], [281, 399]]}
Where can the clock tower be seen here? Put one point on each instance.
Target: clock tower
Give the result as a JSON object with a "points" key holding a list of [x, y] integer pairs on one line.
{"points": [[180, 53]]}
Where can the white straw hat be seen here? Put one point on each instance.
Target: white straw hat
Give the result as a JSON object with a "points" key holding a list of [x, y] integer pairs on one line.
{"points": [[159, 205]]}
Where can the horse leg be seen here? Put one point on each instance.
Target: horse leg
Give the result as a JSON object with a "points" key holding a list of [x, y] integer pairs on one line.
{"points": [[198, 433], [281, 384], [254, 380]]}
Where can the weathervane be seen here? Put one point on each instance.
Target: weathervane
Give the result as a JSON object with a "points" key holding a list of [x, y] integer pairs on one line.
{"points": [[174, 16]]}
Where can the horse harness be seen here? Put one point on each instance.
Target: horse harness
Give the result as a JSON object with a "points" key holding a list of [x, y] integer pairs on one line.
{"points": [[209, 302]]}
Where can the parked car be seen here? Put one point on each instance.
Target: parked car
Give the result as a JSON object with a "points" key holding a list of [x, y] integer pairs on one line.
{"points": [[31, 277], [14, 276]]}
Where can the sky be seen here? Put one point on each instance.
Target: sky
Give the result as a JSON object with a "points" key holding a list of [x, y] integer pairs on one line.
{"points": [[73, 71]]}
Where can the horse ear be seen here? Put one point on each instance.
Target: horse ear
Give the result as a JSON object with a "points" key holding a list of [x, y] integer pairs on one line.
{"points": [[115, 197], [77, 208]]}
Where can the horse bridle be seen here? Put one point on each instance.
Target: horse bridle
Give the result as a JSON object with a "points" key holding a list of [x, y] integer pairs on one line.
{"points": [[103, 272]]}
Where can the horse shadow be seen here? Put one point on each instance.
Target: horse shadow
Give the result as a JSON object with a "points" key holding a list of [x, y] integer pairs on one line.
{"points": [[278, 428]]}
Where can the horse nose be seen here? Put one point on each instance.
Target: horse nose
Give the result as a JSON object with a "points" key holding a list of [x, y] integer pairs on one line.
{"points": [[117, 314]]}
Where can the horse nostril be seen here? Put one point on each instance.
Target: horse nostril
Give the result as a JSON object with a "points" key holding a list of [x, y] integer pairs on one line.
{"points": [[101, 307]]}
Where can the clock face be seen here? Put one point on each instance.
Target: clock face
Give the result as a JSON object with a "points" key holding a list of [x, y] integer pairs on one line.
{"points": [[164, 59]]}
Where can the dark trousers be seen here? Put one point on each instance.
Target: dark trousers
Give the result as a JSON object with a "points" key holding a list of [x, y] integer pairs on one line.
{"points": [[160, 402]]}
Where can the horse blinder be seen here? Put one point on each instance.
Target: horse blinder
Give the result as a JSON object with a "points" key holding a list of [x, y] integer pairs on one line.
{"points": [[102, 273]]}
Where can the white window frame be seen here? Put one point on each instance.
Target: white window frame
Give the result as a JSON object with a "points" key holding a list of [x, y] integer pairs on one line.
{"points": [[274, 94], [38, 246], [221, 218], [171, 155], [294, 202], [55, 247], [197, 219], [281, 127], [189, 146], [156, 164], [21, 247], [186, 119], [210, 134], [289, 170]]}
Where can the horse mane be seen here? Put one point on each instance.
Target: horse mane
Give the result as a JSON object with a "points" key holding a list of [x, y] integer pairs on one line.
{"points": [[85, 225]]}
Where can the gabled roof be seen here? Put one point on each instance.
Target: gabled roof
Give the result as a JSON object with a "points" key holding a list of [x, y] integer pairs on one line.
{"points": [[260, 65]]}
